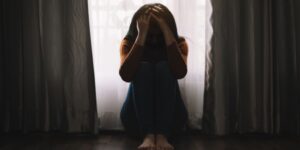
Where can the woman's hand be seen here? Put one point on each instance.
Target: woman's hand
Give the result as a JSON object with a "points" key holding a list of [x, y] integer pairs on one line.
{"points": [[157, 15], [142, 26]]}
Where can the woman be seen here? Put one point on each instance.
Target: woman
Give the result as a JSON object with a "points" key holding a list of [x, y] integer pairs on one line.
{"points": [[153, 57]]}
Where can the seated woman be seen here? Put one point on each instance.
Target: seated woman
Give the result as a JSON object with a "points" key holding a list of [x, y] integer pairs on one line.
{"points": [[153, 57]]}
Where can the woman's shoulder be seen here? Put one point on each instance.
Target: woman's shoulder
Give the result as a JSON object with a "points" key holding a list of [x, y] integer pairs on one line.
{"points": [[126, 42], [125, 45], [182, 43]]}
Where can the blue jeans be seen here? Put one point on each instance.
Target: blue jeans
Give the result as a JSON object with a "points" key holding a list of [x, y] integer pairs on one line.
{"points": [[153, 103]]}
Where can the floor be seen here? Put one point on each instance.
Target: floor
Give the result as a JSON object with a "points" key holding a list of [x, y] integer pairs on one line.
{"points": [[120, 141]]}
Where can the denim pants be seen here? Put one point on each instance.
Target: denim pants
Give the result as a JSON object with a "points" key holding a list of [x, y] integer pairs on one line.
{"points": [[153, 103]]}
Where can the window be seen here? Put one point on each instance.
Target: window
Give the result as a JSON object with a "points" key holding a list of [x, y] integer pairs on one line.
{"points": [[109, 22]]}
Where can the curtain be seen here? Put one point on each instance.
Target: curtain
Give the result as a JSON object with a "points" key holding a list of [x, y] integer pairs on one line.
{"points": [[252, 73], [109, 23], [46, 68]]}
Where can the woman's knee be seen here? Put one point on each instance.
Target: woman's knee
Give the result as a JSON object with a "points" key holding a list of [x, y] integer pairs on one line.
{"points": [[162, 69], [145, 67], [144, 71]]}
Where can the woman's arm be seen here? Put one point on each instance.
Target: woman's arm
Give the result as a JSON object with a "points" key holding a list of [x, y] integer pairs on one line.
{"points": [[177, 58], [176, 52], [130, 58]]}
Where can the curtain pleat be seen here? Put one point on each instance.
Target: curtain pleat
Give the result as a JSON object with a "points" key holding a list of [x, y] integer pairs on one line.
{"points": [[252, 73], [47, 76]]}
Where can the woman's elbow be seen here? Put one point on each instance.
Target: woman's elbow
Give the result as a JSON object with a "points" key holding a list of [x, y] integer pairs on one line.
{"points": [[181, 74], [124, 76]]}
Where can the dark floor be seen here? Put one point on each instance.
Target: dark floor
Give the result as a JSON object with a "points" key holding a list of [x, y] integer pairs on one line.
{"points": [[119, 141]]}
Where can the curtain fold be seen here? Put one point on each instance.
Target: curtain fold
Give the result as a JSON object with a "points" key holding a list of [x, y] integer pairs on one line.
{"points": [[46, 69], [252, 69]]}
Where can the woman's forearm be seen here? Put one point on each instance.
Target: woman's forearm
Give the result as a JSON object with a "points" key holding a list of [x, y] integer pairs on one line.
{"points": [[176, 62], [131, 62]]}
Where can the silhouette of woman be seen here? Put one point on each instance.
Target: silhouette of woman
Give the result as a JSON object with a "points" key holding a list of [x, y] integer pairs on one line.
{"points": [[153, 57]]}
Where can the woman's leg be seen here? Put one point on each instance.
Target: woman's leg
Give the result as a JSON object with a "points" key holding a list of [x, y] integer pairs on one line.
{"points": [[171, 114], [181, 114], [128, 115], [139, 103]]}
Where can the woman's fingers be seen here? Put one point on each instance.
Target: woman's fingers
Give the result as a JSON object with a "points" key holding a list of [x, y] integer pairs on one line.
{"points": [[157, 7], [156, 17], [148, 11], [158, 10], [143, 17], [148, 17]]}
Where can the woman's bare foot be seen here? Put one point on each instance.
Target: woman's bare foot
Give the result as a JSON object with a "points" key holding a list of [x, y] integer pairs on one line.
{"points": [[162, 143], [148, 143]]}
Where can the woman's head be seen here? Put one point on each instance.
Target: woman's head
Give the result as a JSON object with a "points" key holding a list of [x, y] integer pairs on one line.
{"points": [[155, 36]]}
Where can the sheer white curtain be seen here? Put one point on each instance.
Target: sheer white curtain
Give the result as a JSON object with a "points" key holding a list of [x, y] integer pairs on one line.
{"points": [[109, 22]]}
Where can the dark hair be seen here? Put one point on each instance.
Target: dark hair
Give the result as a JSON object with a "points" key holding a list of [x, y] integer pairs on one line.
{"points": [[168, 17]]}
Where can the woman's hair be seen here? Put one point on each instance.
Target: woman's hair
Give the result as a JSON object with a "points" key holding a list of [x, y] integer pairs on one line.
{"points": [[167, 16]]}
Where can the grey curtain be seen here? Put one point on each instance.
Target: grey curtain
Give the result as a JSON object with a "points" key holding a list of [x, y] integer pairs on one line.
{"points": [[252, 71], [46, 68]]}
